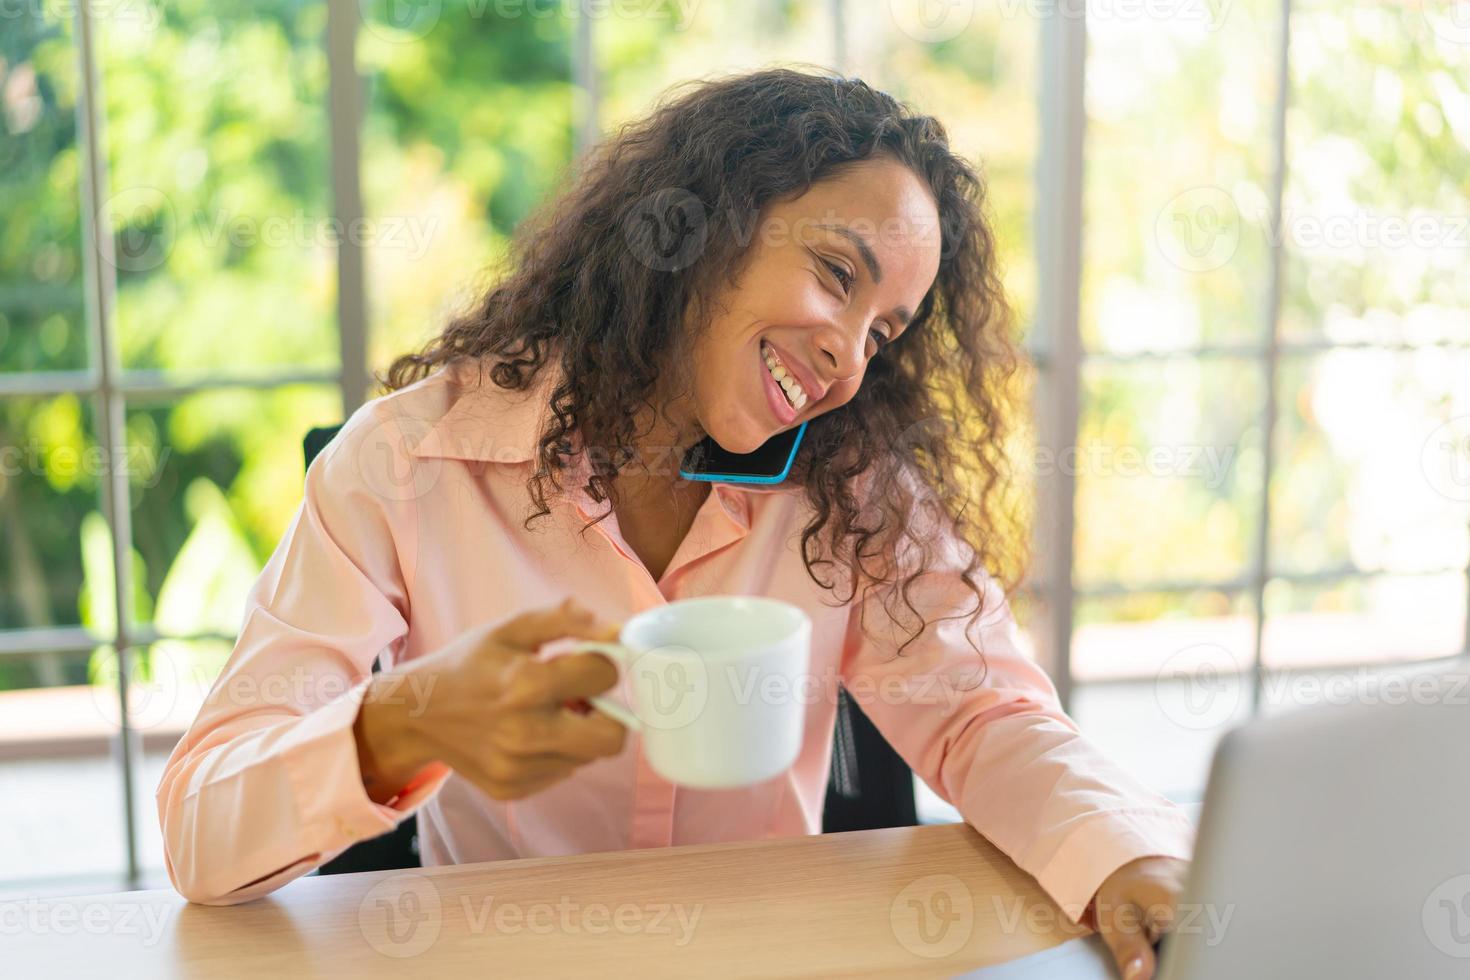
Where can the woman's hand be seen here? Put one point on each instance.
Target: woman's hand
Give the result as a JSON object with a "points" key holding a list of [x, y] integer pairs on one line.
{"points": [[486, 706], [1134, 906]]}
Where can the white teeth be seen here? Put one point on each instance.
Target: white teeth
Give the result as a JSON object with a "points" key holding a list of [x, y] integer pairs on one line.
{"points": [[795, 394]]}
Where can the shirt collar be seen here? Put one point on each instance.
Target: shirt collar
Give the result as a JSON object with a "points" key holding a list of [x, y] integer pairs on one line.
{"points": [[488, 423], [491, 424]]}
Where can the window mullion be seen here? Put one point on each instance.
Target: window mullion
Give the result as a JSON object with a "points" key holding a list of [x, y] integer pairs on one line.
{"points": [[1059, 177], [837, 10], [1271, 355], [344, 111], [586, 127], [100, 289]]}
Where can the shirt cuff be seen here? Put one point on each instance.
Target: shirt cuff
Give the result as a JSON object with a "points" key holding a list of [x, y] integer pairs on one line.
{"points": [[1105, 842], [326, 777]]}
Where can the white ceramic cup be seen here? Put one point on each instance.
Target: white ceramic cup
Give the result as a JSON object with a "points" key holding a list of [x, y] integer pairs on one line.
{"points": [[714, 687]]}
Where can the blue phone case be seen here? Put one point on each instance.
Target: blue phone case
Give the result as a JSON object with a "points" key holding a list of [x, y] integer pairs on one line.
{"points": [[746, 477]]}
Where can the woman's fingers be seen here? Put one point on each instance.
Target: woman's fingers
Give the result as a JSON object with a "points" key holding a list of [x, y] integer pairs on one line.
{"points": [[550, 683], [530, 630], [503, 721], [504, 777], [1158, 919], [1134, 906], [559, 731], [512, 769], [521, 790], [1132, 928], [1126, 932], [587, 737]]}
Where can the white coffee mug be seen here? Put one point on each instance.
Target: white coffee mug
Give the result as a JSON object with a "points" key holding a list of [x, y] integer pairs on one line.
{"points": [[714, 686]]}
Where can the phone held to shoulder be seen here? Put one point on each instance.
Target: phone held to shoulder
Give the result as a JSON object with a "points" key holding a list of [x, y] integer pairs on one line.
{"points": [[706, 460]]}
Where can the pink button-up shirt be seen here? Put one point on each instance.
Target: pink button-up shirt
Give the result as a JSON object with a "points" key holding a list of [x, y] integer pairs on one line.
{"points": [[411, 531]]}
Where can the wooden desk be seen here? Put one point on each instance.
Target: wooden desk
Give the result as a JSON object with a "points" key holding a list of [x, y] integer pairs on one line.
{"points": [[835, 905]]}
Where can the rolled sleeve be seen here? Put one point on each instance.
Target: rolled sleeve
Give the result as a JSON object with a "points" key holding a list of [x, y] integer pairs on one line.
{"points": [[265, 785], [987, 733]]}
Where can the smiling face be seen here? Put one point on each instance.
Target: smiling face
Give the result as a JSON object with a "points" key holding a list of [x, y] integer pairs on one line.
{"points": [[830, 277]]}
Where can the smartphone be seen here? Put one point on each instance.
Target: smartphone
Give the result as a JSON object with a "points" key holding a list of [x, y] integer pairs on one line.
{"points": [[706, 460]]}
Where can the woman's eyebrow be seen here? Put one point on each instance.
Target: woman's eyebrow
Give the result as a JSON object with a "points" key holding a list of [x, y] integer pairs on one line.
{"points": [[865, 251]]}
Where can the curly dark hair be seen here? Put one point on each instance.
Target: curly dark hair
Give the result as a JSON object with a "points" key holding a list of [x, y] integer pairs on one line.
{"points": [[587, 286]]}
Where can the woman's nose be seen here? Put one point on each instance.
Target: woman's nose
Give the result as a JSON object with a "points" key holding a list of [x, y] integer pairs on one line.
{"points": [[841, 351]]}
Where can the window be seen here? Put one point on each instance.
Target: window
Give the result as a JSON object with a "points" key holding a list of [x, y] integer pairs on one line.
{"points": [[1274, 277]]}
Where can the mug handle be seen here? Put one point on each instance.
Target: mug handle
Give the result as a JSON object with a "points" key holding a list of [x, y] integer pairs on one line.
{"points": [[621, 656]]}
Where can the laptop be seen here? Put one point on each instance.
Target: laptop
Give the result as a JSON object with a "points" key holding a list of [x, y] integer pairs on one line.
{"points": [[1334, 842]]}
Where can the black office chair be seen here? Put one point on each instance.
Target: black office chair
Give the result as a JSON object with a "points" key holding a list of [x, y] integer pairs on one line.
{"points": [[870, 786]]}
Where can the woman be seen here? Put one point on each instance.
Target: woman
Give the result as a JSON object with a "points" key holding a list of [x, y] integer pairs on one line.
{"points": [[761, 251]]}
